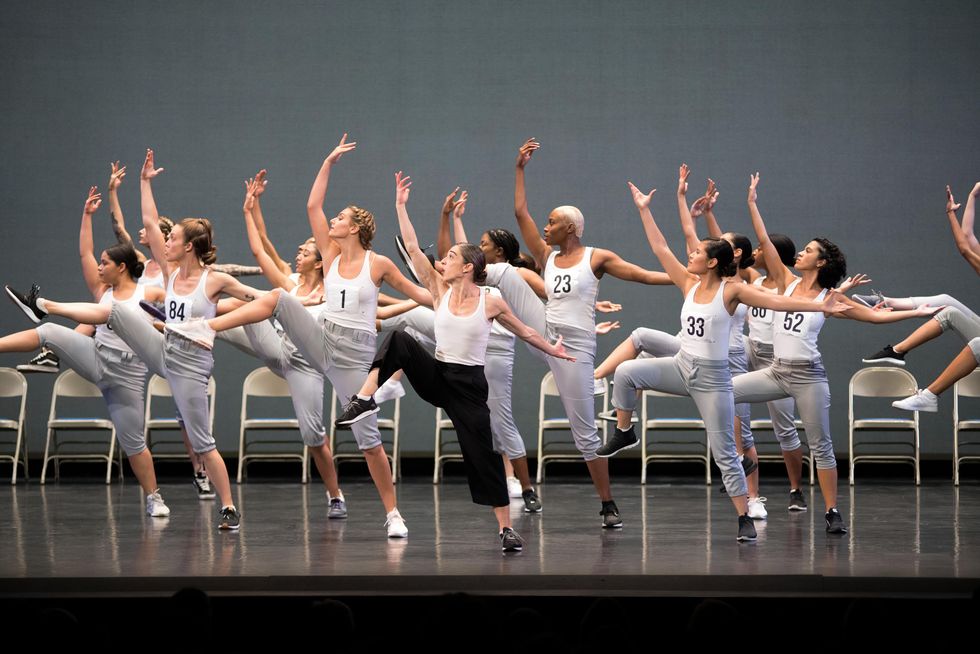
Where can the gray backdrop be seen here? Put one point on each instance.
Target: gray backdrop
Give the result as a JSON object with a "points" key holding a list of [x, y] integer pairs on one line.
{"points": [[857, 115]]}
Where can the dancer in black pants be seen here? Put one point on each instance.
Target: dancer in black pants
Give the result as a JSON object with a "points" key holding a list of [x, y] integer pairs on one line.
{"points": [[454, 379]]}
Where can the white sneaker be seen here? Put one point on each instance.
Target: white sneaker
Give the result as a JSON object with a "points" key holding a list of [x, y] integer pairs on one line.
{"points": [[155, 508], [396, 525], [923, 400], [390, 390], [195, 330], [757, 508], [514, 488], [598, 388]]}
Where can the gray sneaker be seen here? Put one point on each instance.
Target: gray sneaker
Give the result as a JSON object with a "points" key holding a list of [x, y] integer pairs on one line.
{"points": [[337, 509], [610, 516]]}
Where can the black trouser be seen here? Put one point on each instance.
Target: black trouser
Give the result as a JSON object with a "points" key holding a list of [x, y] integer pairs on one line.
{"points": [[461, 391]]}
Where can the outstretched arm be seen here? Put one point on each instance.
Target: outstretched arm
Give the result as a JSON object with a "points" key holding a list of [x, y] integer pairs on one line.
{"points": [[857, 311], [675, 269], [270, 249], [314, 205], [498, 310], [86, 245], [962, 242], [778, 272], [151, 218], [529, 231], [611, 263]]}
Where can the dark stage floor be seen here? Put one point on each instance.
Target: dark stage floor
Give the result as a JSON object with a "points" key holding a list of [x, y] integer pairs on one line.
{"points": [[84, 538]]}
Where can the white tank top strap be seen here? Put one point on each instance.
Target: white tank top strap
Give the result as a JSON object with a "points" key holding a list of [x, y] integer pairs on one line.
{"points": [[351, 303], [155, 280], [462, 339], [197, 304], [104, 333], [795, 333], [706, 328], [571, 293]]}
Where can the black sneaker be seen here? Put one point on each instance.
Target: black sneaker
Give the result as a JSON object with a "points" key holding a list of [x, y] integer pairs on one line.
{"points": [[203, 486], [886, 355], [610, 516], [28, 303], [746, 529], [835, 523], [620, 440], [230, 518], [749, 465], [532, 503], [511, 541], [407, 259], [356, 409], [796, 501], [869, 301], [45, 361], [153, 310]]}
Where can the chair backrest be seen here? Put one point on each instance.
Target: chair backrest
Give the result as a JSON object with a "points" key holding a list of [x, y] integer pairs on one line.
{"points": [[71, 384], [880, 381], [549, 387], [969, 386], [262, 382], [159, 387], [12, 383]]}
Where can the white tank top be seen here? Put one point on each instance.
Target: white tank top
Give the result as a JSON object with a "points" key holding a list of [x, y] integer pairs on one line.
{"points": [[351, 303], [104, 333], [760, 320], [146, 280], [314, 309], [705, 328], [571, 293], [736, 340], [462, 339], [497, 331], [181, 308], [795, 333]]}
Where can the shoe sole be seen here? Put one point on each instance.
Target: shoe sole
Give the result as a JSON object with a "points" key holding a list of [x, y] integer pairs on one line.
{"points": [[337, 517], [619, 526], [228, 527], [797, 509], [159, 515], [765, 517], [840, 532], [396, 536], [519, 548], [625, 447], [26, 367], [358, 417], [206, 496], [747, 539], [23, 307], [407, 260], [894, 362], [527, 510], [929, 409]]}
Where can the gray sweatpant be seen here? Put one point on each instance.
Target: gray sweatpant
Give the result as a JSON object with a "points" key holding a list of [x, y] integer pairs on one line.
{"points": [[120, 376], [967, 325], [709, 383], [781, 412], [273, 348], [574, 379], [341, 354], [974, 345], [186, 366], [804, 381], [419, 323]]}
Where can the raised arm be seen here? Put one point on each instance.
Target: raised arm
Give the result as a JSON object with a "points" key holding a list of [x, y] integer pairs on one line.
{"points": [[86, 245], [459, 208], [611, 263], [314, 205], [427, 274], [268, 265], [687, 221], [675, 269], [962, 242], [116, 174], [270, 249], [778, 273], [444, 241], [151, 218], [710, 198], [529, 231], [498, 310], [968, 215]]}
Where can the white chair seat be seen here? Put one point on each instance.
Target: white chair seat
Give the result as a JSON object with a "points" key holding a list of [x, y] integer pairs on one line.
{"points": [[884, 423], [80, 423]]}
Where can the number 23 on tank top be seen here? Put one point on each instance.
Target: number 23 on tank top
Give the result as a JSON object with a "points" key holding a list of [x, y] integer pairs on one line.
{"points": [[341, 297], [562, 284]]}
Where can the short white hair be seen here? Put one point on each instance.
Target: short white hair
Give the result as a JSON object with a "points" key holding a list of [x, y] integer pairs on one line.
{"points": [[572, 215]]}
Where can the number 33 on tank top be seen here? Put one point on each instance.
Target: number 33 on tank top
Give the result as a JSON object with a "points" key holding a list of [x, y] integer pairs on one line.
{"points": [[698, 327], [341, 297], [562, 284]]}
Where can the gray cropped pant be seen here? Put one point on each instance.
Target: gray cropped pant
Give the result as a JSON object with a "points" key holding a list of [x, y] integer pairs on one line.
{"points": [[781, 412]]}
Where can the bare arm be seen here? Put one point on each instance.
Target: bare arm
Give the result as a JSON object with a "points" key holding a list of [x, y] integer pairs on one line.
{"points": [[710, 198], [687, 222], [675, 269], [223, 283], [444, 241], [857, 311], [756, 297], [391, 275], [529, 231], [968, 216], [151, 218], [962, 243], [270, 249], [427, 274], [396, 309], [498, 310], [314, 205], [269, 267], [535, 281], [459, 208], [611, 263], [86, 245], [778, 273], [116, 174]]}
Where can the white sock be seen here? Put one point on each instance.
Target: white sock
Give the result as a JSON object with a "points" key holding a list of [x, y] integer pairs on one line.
{"points": [[363, 397], [41, 304], [926, 393]]}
